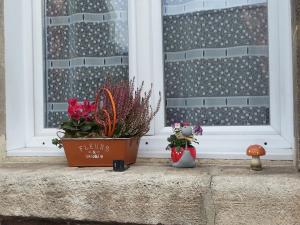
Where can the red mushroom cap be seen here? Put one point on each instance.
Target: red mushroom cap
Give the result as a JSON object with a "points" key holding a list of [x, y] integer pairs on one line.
{"points": [[256, 150]]}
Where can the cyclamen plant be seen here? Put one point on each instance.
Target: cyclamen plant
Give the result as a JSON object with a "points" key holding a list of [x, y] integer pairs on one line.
{"points": [[183, 135], [81, 121]]}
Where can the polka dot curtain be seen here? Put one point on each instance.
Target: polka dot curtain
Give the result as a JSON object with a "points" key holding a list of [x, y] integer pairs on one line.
{"points": [[216, 67], [85, 41]]}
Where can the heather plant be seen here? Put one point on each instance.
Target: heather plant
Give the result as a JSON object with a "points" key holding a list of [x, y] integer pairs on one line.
{"points": [[132, 107]]}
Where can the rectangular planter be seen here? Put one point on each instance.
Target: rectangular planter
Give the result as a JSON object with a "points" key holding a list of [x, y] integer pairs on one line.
{"points": [[83, 152]]}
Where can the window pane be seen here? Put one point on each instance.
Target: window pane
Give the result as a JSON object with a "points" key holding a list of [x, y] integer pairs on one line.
{"points": [[216, 67], [85, 41]]}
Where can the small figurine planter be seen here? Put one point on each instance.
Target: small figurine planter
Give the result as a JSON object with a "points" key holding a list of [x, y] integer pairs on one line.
{"points": [[96, 134], [184, 158], [85, 152], [183, 154]]}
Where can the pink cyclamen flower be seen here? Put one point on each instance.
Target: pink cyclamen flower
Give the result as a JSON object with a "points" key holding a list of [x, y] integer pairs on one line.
{"points": [[88, 109], [72, 101], [77, 110], [74, 109]]}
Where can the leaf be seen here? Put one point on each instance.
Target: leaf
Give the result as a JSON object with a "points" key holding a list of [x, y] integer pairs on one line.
{"points": [[86, 127], [57, 142], [68, 122], [69, 127], [91, 123], [75, 123], [117, 131], [80, 134]]}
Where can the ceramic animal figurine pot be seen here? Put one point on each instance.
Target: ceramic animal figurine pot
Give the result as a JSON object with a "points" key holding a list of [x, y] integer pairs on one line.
{"points": [[184, 158], [187, 131], [183, 154]]}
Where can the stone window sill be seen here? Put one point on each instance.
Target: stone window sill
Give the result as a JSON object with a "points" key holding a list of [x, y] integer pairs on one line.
{"points": [[216, 192]]}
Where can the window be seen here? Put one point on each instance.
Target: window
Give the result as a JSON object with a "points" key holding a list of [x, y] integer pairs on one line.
{"points": [[223, 63], [85, 42], [216, 67]]}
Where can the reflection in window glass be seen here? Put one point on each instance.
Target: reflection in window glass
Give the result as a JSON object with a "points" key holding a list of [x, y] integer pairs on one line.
{"points": [[85, 41], [216, 67]]}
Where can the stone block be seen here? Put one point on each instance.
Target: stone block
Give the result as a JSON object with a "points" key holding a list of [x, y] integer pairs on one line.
{"points": [[141, 195], [2, 149], [209, 194], [256, 199], [2, 122]]}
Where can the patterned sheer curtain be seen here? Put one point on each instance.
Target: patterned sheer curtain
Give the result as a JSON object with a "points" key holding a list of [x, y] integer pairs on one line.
{"points": [[85, 41], [216, 67]]}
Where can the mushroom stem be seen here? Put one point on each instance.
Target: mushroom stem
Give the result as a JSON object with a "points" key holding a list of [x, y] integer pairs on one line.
{"points": [[255, 163]]}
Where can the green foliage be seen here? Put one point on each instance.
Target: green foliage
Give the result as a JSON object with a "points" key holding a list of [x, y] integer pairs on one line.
{"points": [[175, 142], [57, 142], [121, 131], [81, 128]]}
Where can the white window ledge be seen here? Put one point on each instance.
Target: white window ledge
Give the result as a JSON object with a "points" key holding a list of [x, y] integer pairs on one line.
{"points": [[223, 147], [233, 153]]}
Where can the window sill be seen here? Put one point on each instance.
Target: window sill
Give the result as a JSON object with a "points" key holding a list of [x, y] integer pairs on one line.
{"points": [[147, 194], [155, 150]]}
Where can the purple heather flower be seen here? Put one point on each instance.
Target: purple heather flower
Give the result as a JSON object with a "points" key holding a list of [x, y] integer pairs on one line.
{"points": [[198, 130]]}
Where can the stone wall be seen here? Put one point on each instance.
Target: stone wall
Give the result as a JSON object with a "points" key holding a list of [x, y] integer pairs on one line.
{"points": [[211, 194], [2, 84], [296, 40]]}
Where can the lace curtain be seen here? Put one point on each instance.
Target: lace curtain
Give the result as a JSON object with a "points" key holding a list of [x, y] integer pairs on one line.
{"points": [[216, 62], [85, 41]]}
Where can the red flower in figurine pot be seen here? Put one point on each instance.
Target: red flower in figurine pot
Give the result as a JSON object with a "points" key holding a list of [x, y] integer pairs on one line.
{"points": [[183, 154]]}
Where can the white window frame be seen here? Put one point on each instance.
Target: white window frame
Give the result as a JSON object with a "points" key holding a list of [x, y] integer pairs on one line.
{"points": [[25, 94]]}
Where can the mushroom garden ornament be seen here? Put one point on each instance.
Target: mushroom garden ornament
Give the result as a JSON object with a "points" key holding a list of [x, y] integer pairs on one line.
{"points": [[256, 151]]}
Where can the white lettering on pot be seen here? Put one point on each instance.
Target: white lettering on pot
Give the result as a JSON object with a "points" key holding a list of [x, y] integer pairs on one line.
{"points": [[93, 150]]}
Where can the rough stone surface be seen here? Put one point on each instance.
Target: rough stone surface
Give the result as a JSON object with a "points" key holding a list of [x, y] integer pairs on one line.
{"points": [[267, 200], [296, 49], [142, 195], [2, 148], [212, 193]]}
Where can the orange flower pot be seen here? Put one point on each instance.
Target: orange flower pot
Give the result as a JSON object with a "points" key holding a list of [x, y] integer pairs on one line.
{"points": [[83, 152]]}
